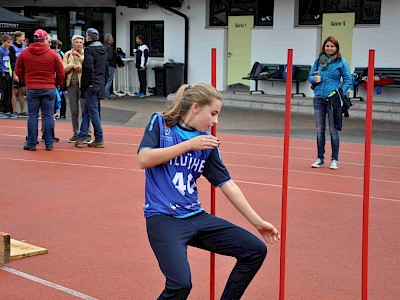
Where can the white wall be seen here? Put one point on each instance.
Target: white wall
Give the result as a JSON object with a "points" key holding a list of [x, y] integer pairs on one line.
{"points": [[269, 44]]}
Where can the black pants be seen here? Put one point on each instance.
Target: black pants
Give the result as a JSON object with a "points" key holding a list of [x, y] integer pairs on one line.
{"points": [[169, 238], [142, 81], [5, 93]]}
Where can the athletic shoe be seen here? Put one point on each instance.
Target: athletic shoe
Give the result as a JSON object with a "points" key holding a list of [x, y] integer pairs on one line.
{"points": [[11, 115], [79, 144], [3, 116], [28, 148], [95, 144], [88, 139], [113, 97], [334, 164], [73, 139], [23, 114], [318, 163], [140, 95], [49, 148]]}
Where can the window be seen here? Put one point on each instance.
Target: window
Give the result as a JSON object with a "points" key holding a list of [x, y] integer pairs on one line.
{"points": [[153, 32], [367, 11], [262, 10]]}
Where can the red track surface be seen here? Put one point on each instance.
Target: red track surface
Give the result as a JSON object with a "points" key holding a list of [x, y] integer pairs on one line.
{"points": [[85, 207]]}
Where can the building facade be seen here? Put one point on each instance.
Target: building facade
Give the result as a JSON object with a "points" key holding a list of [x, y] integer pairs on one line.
{"points": [[278, 26]]}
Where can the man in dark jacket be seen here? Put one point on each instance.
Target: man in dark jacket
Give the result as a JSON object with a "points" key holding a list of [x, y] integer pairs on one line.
{"points": [[42, 70], [112, 64], [94, 70]]}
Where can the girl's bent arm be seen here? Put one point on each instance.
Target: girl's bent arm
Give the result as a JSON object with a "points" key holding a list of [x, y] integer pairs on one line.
{"points": [[153, 157], [236, 197]]}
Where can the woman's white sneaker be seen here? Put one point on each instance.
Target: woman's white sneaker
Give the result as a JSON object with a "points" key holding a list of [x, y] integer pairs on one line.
{"points": [[334, 165], [318, 163]]}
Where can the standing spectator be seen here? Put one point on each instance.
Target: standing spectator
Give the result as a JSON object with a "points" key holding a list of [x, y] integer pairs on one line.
{"points": [[93, 80], [61, 112], [41, 69], [6, 76], [112, 64], [19, 86], [326, 77], [142, 59], [73, 60]]}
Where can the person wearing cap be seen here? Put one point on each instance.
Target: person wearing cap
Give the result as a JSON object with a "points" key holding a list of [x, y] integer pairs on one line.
{"points": [[42, 70], [94, 75]]}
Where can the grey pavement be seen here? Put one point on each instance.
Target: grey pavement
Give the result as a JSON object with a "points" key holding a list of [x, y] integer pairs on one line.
{"points": [[134, 112]]}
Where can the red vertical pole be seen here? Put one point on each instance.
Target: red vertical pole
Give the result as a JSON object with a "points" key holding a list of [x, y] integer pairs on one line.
{"points": [[367, 169], [213, 206], [285, 172]]}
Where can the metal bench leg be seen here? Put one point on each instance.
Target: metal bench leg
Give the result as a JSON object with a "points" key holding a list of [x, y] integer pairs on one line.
{"points": [[256, 90], [298, 90], [355, 92]]}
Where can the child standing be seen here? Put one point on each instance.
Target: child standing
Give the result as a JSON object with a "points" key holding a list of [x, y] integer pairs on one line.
{"points": [[175, 150]]}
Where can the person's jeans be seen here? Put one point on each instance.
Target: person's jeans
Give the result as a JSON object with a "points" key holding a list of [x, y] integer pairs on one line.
{"points": [[321, 109], [90, 112], [73, 96], [43, 99], [107, 88], [169, 238]]}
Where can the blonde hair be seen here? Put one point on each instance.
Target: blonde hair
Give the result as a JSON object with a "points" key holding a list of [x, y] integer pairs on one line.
{"points": [[201, 93], [75, 37]]}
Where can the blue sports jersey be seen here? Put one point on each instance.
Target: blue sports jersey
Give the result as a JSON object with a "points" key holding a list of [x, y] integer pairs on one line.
{"points": [[171, 187], [18, 50], [5, 60]]}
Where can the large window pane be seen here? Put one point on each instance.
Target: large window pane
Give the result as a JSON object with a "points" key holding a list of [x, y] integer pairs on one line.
{"points": [[153, 32], [367, 11], [262, 10]]}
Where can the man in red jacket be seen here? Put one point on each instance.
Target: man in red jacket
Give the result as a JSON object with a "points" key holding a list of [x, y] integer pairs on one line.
{"points": [[42, 70]]}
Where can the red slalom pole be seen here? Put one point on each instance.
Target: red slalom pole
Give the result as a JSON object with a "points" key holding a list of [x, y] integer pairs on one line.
{"points": [[367, 169], [213, 206], [289, 73]]}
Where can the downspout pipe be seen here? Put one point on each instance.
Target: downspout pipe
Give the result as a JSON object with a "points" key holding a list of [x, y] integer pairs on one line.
{"points": [[185, 17]]}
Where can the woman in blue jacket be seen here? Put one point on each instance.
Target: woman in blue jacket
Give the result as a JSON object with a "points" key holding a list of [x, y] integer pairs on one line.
{"points": [[329, 73]]}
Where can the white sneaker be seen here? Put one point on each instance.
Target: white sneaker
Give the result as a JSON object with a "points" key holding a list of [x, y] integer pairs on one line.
{"points": [[334, 165], [318, 163]]}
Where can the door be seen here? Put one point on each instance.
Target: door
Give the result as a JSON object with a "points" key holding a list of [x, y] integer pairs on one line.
{"points": [[239, 51]]}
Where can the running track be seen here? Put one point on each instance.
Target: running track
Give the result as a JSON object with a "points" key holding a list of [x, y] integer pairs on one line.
{"points": [[85, 207]]}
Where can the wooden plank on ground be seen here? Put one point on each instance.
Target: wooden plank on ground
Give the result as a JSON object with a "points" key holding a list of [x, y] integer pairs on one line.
{"points": [[4, 248], [21, 249]]}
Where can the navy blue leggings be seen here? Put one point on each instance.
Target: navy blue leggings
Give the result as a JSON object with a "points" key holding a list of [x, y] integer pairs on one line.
{"points": [[169, 238]]}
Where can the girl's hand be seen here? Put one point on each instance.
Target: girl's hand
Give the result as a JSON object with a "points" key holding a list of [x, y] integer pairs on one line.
{"points": [[269, 232], [202, 142]]}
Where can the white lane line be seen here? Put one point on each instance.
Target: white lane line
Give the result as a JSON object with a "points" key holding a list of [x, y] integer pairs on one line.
{"points": [[223, 152], [227, 164], [233, 143], [241, 181], [47, 283], [70, 164], [318, 191]]}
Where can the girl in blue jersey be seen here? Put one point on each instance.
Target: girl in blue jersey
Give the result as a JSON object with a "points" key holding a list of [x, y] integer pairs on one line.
{"points": [[329, 73], [175, 150]]}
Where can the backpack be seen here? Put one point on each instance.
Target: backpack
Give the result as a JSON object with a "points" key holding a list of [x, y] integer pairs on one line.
{"points": [[278, 73], [256, 70], [293, 72]]}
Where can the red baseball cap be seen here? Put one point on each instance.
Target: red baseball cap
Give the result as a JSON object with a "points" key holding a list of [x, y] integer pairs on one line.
{"points": [[40, 34]]}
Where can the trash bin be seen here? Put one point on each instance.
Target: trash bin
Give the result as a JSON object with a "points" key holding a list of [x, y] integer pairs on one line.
{"points": [[174, 77], [159, 74]]}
